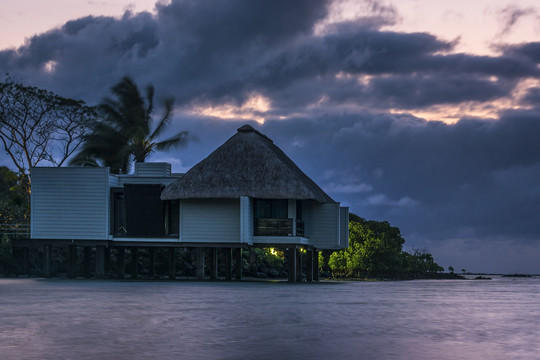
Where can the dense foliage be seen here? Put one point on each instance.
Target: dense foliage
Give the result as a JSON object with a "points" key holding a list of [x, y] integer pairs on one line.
{"points": [[375, 251]]}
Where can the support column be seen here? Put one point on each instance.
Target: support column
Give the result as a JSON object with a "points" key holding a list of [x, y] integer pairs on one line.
{"points": [[213, 264], [121, 263], [152, 260], [72, 261], [87, 252], [100, 261], [172, 263], [107, 260], [238, 261], [134, 262], [47, 259], [292, 264], [200, 264], [309, 265], [228, 264], [25, 260], [299, 254], [315, 265]]}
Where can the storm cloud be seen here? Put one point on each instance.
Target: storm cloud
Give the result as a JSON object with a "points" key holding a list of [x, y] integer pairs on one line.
{"points": [[342, 99]]}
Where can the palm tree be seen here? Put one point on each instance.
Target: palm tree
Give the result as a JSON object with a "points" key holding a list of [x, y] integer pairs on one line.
{"points": [[125, 130]]}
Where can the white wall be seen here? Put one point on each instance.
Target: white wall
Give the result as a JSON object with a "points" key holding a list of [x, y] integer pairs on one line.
{"points": [[70, 203], [210, 220], [322, 224]]}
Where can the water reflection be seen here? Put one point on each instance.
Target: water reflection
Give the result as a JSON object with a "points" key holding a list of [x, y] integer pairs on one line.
{"points": [[52, 319]]}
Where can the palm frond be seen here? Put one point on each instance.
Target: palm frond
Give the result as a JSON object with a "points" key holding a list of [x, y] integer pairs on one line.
{"points": [[179, 140]]}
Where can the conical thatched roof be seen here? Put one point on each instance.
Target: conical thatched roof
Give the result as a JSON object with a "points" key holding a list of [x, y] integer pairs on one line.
{"points": [[248, 164]]}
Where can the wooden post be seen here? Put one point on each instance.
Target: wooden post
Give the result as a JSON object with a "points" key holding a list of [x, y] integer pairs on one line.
{"points": [[309, 265], [87, 251], [134, 262], [47, 258], [228, 264], [172, 263], [292, 264], [213, 264], [152, 265], [25, 260], [238, 261], [200, 264], [121, 263], [299, 254], [315, 265], [100, 261], [72, 261], [107, 254]]}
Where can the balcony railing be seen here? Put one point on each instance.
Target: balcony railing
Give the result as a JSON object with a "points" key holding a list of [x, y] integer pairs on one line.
{"points": [[277, 227], [273, 227]]}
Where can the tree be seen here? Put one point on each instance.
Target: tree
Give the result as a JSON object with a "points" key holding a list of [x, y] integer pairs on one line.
{"points": [[37, 125], [124, 132]]}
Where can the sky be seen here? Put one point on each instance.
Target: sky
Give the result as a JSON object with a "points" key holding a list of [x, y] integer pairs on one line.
{"points": [[423, 113]]}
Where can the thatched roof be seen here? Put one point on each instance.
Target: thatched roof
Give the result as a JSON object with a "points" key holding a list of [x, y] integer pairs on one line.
{"points": [[248, 164]]}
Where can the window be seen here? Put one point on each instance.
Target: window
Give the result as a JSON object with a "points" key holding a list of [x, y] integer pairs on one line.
{"points": [[271, 209]]}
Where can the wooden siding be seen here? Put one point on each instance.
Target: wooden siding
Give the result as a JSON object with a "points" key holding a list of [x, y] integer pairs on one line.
{"points": [[210, 220], [153, 169], [322, 224], [70, 203], [246, 220], [344, 227], [131, 179]]}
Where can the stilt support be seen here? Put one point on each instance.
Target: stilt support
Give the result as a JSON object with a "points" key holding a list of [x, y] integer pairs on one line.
{"points": [[238, 263], [134, 262], [309, 265], [200, 264], [72, 261], [315, 265], [172, 263], [299, 256], [292, 264], [87, 252], [228, 264], [100, 261], [152, 261], [213, 264], [47, 259], [121, 263]]}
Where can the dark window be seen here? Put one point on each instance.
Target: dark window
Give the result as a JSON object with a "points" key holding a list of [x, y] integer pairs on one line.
{"points": [[271, 209], [137, 211]]}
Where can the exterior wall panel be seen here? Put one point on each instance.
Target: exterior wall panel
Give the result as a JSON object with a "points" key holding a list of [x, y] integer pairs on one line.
{"points": [[70, 203], [344, 227], [210, 220], [322, 225]]}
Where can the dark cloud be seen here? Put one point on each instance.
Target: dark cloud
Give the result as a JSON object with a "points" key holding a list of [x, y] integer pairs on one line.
{"points": [[471, 183]]}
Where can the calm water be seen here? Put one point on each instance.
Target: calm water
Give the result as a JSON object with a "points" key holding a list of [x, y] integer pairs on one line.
{"points": [[89, 319]]}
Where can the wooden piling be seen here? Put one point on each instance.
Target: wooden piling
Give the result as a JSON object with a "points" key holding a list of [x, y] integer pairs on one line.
{"points": [[47, 259], [121, 263], [228, 264], [309, 265], [152, 261], [238, 263], [315, 265], [100, 261], [200, 263], [292, 264], [72, 261], [213, 264], [299, 264], [172, 263], [134, 262], [87, 252]]}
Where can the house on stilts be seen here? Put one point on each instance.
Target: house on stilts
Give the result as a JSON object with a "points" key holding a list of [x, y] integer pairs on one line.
{"points": [[247, 193]]}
